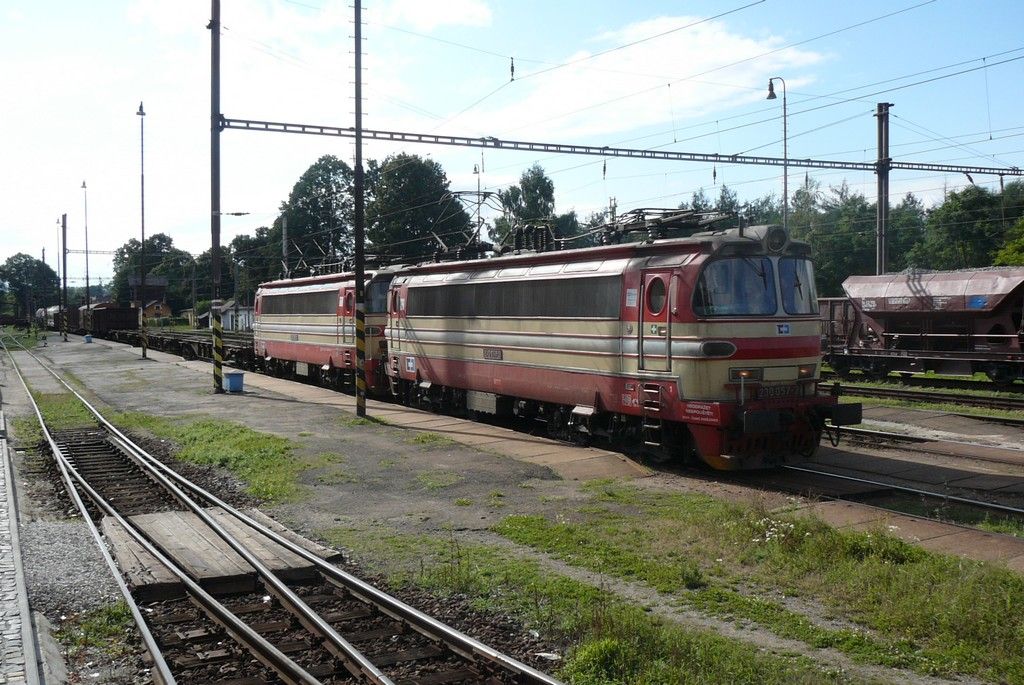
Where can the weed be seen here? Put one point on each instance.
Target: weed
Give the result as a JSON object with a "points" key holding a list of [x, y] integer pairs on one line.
{"points": [[463, 502], [431, 439], [265, 462], [613, 640], [437, 480], [107, 628]]}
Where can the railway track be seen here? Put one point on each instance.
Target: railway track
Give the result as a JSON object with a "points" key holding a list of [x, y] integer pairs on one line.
{"points": [[981, 401], [331, 627], [920, 381]]}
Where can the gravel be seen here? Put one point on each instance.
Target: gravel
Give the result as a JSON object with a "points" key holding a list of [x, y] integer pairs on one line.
{"points": [[65, 572]]}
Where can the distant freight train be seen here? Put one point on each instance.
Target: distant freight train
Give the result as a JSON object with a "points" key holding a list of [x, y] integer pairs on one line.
{"points": [[949, 322], [705, 346]]}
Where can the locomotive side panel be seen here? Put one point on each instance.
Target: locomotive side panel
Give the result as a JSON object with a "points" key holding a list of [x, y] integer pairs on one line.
{"points": [[712, 342]]}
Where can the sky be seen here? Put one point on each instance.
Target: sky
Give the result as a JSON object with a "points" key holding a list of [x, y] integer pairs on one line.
{"points": [[688, 76]]}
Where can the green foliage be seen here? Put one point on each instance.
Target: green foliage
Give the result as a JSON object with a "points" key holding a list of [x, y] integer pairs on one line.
{"points": [[533, 202], [613, 641], [109, 628], [30, 282], [265, 462], [1012, 253], [408, 203], [929, 612], [963, 232]]}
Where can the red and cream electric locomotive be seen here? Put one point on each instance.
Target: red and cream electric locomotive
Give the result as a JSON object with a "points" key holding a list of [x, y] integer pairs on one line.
{"points": [[306, 327], [703, 346]]}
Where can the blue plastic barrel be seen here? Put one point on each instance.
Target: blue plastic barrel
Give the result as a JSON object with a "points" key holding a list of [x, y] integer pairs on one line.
{"points": [[88, 338], [233, 381]]}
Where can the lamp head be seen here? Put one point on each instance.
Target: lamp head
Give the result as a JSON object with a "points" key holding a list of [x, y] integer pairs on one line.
{"points": [[83, 185], [771, 90], [141, 113]]}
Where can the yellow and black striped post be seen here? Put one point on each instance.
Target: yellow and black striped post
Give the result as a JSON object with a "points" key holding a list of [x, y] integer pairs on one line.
{"points": [[358, 227], [218, 347], [143, 334], [360, 359]]}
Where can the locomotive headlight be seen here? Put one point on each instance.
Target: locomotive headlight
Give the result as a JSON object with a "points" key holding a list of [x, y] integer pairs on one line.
{"points": [[807, 371], [737, 375]]}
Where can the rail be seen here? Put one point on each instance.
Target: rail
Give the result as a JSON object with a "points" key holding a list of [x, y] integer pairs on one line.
{"points": [[355, 661]]}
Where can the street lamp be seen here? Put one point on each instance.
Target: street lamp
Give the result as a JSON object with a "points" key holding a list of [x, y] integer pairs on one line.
{"points": [[142, 246], [88, 299], [785, 151]]}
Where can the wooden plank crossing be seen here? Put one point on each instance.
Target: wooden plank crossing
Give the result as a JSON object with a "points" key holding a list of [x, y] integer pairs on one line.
{"points": [[206, 558]]}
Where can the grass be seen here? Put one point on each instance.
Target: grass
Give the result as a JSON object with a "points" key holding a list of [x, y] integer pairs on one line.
{"points": [[907, 607], [108, 629], [363, 421], [26, 338], [265, 462], [438, 480], [950, 407], [955, 513], [430, 440], [61, 411], [612, 641]]}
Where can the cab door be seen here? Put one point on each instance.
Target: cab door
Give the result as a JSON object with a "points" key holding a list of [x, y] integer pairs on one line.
{"points": [[655, 326], [348, 318]]}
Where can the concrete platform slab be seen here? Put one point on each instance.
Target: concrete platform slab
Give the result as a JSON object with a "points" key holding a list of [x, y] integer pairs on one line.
{"points": [[976, 545], [844, 514]]}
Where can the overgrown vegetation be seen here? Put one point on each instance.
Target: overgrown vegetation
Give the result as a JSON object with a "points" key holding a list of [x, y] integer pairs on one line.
{"points": [[614, 642], [61, 411], [905, 606], [109, 629], [266, 463]]}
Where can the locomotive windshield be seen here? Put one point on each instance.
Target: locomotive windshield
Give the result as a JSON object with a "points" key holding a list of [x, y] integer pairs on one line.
{"points": [[739, 286], [796, 278], [377, 295]]}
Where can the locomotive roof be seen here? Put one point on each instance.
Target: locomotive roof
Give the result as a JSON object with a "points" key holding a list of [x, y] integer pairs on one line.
{"points": [[707, 242], [964, 290]]}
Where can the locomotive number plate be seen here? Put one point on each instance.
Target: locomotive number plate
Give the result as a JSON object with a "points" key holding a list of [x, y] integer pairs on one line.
{"points": [[768, 392], [493, 353]]}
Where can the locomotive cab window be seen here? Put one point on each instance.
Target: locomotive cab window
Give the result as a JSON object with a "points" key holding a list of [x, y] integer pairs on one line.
{"points": [[656, 296], [376, 296], [736, 286], [796, 278]]}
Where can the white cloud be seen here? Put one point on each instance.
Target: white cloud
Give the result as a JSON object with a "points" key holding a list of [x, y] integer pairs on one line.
{"points": [[427, 15]]}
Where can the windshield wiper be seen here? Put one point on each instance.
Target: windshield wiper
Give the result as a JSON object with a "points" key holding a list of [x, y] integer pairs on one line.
{"points": [[758, 270]]}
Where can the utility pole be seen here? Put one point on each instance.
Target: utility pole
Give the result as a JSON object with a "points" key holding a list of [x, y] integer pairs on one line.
{"points": [[85, 194], [284, 245], [360, 219], [64, 296], [144, 340], [215, 302], [882, 167], [612, 206]]}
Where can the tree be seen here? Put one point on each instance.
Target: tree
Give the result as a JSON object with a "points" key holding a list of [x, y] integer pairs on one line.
{"points": [[533, 199], [698, 203], [727, 202], [763, 210], [32, 283], [409, 202], [162, 259], [319, 212], [1012, 252], [905, 229], [963, 232], [841, 233]]}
